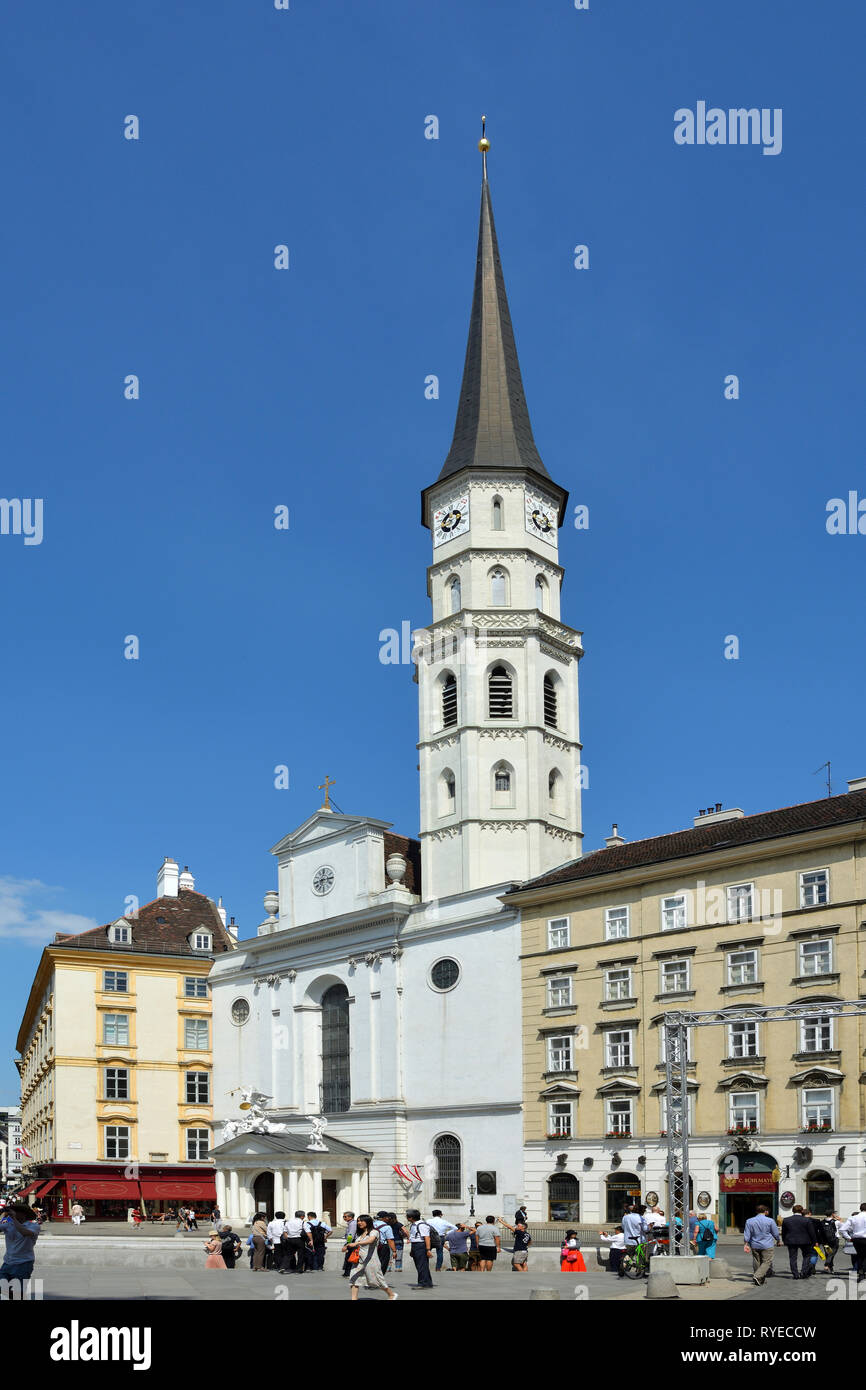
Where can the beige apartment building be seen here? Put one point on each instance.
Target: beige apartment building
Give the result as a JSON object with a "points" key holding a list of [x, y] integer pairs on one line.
{"points": [[116, 1060], [736, 913]]}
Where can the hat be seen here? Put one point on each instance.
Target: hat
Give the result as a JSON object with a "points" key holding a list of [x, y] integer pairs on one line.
{"points": [[381, 1216]]}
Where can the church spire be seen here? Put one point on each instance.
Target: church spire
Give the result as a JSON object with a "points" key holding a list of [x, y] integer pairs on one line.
{"points": [[492, 429]]}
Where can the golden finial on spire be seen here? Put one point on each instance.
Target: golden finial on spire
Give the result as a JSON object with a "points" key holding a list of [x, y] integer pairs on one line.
{"points": [[483, 143]]}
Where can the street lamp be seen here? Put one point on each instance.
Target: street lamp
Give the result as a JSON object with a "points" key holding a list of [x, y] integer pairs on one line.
{"points": [[471, 1199]]}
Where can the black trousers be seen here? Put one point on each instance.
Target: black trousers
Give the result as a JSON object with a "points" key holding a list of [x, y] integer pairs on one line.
{"points": [[280, 1255], [792, 1258], [422, 1263], [860, 1247], [294, 1255], [384, 1257], [830, 1249]]}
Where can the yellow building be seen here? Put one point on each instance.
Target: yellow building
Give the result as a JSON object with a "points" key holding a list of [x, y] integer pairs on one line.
{"points": [[736, 913], [116, 1061]]}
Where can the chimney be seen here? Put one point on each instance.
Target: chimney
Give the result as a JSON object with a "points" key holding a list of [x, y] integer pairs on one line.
{"points": [[166, 879], [222, 912], [232, 928], [614, 838], [186, 882], [857, 784], [712, 815]]}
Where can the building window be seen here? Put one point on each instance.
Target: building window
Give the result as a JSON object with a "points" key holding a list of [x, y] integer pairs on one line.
{"points": [[675, 976], [818, 1109], [498, 588], [115, 981], [617, 984], [816, 957], [240, 1012], [742, 967], [501, 779], [743, 1110], [560, 1119], [116, 1141], [197, 1144], [447, 793], [500, 694], [454, 594], [449, 700], [444, 974], [541, 592], [496, 521], [198, 1088], [559, 1056], [336, 1079], [195, 987], [115, 1029], [619, 1118], [558, 934], [674, 912], [201, 941], [195, 1034], [554, 789], [615, 923], [563, 1197], [742, 1039], [559, 992], [121, 936], [116, 1083], [550, 702], [449, 1184], [816, 1034], [815, 888], [740, 896], [619, 1048]]}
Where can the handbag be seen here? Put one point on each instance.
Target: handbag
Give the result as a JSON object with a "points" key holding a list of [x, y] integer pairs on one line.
{"points": [[353, 1257]]}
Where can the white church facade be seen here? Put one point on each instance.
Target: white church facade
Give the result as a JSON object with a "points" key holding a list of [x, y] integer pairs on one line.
{"points": [[383, 990]]}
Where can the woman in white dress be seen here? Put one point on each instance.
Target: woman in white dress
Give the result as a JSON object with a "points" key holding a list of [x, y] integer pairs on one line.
{"points": [[366, 1243]]}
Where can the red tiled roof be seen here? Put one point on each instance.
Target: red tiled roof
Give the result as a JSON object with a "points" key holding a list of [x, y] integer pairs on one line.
{"points": [[186, 913], [703, 839]]}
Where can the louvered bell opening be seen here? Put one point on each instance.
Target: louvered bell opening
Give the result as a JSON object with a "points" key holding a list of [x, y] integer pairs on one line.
{"points": [[449, 702], [549, 703], [501, 704]]}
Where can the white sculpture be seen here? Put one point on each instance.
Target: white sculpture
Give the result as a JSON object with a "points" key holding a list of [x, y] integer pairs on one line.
{"points": [[319, 1123], [253, 1120]]}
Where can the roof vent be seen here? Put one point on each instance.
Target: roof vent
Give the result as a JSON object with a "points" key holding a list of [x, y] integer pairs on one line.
{"points": [[614, 838], [713, 814]]}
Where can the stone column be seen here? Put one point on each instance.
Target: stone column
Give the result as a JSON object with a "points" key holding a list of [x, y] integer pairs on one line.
{"points": [[234, 1196], [305, 1189], [293, 1192], [279, 1192], [221, 1190], [317, 1192], [356, 1192]]}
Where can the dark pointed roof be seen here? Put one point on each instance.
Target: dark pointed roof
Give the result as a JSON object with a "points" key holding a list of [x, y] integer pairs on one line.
{"points": [[492, 428]]}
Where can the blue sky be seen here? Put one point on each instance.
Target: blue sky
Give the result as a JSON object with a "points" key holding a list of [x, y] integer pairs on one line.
{"points": [[306, 388]]}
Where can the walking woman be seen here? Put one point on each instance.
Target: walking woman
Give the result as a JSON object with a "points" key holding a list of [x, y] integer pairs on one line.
{"points": [[707, 1236], [213, 1246], [570, 1259], [366, 1243], [260, 1242]]}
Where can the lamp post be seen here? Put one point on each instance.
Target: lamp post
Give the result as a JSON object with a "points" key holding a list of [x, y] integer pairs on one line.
{"points": [[471, 1199]]}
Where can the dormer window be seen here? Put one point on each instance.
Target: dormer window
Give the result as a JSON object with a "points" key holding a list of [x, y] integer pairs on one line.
{"points": [[201, 941], [120, 934]]}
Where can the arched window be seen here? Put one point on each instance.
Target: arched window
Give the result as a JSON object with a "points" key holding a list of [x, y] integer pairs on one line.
{"points": [[500, 694], [454, 594], [554, 789], [449, 1184], [563, 1196], [447, 793], [541, 593], [336, 1095], [622, 1189], [496, 523], [449, 700], [550, 702], [498, 588], [502, 790], [502, 779]]}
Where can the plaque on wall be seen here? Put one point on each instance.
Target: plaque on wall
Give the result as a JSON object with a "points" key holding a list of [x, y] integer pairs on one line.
{"points": [[704, 1199], [652, 1199]]}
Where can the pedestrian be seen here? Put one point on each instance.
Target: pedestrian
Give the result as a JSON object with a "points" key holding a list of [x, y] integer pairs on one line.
{"points": [[693, 1229], [21, 1229], [420, 1245], [77, 1213], [364, 1246], [570, 1259], [458, 1247], [522, 1242], [798, 1233], [213, 1246], [848, 1247], [192, 1219], [387, 1246], [441, 1227], [277, 1236], [855, 1230], [489, 1244], [707, 1236], [634, 1228], [260, 1241], [216, 1216], [231, 1246], [399, 1239], [472, 1263], [617, 1248], [319, 1231], [761, 1236], [181, 1219], [828, 1235], [296, 1243], [351, 1225], [520, 1216]]}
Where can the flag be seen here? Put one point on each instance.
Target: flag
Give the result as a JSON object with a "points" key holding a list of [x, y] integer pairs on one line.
{"points": [[20, 1149]]}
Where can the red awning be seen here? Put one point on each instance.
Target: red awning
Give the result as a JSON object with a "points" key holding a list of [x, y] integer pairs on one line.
{"points": [[110, 1189], [31, 1186], [43, 1191], [167, 1189]]}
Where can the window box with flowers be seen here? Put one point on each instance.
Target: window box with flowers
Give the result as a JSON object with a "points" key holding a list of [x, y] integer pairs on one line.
{"points": [[813, 1127], [618, 1134], [750, 1128]]}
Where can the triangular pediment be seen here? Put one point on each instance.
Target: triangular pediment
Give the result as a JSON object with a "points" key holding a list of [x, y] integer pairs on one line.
{"points": [[618, 1088], [291, 1147], [324, 825], [561, 1088]]}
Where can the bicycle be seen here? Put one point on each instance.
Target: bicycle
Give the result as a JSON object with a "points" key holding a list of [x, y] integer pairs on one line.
{"points": [[635, 1263]]}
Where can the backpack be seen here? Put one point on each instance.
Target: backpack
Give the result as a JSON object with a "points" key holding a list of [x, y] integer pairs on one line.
{"points": [[827, 1230], [435, 1238]]}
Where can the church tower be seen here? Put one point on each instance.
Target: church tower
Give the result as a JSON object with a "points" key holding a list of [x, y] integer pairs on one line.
{"points": [[497, 669]]}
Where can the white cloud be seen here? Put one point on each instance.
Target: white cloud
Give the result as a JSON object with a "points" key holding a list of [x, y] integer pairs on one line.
{"points": [[26, 913]]}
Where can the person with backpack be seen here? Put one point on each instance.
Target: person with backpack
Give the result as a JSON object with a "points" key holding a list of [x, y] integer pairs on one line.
{"points": [[297, 1240], [387, 1247], [442, 1228], [399, 1239], [707, 1236], [318, 1231], [230, 1246], [828, 1239], [422, 1239]]}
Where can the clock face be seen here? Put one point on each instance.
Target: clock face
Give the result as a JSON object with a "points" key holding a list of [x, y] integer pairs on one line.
{"points": [[323, 880], [451, 520], [540, 518]]}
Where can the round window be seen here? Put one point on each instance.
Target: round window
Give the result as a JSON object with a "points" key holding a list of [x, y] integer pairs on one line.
{"points": [[240, 1011], [445, 974], [323, 880]]}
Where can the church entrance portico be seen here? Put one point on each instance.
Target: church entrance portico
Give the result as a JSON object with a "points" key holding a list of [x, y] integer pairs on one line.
{"points": [[263, 1172]]}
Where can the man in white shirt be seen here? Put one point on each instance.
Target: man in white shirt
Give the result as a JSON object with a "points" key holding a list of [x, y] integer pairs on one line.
{"points": [[854, 1229], [419, 1245], [442, 1228], [297, 1239], [276, 1231]]}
